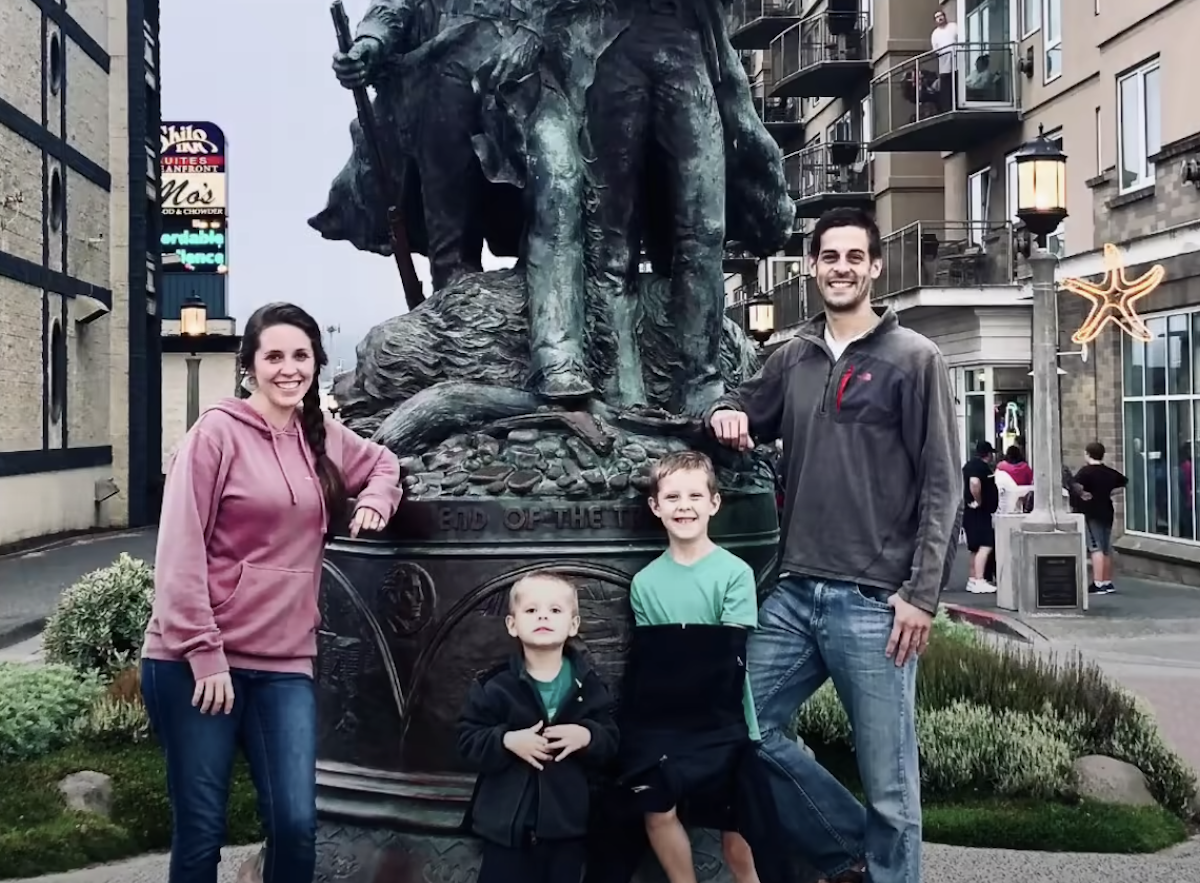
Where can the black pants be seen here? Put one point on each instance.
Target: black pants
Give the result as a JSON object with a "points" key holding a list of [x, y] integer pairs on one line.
{"points": [[547, 861]]}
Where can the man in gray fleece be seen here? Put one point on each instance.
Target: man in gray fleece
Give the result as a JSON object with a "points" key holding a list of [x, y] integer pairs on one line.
{"points": [[872, 511]]}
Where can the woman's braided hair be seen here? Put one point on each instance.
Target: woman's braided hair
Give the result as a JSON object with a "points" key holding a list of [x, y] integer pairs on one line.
{"points": [[312, 418]]}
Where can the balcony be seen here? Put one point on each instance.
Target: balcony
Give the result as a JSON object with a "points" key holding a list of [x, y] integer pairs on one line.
{"points": [[826, 55], [753, 24], [928, 104], [937, 259], [827, 176], [737, 303], [738, 260], [783, 118]]}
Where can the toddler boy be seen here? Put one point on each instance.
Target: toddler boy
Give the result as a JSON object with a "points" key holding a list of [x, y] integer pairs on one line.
{"points": [[693, 583], [535, 727]]}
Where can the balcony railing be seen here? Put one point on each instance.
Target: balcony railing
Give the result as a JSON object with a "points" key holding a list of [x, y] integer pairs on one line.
{"points": [[947, 254], [948, 99], [791, 301], [778, 111], [824, 56], [754, 23], [737, 303], [827, 175]]}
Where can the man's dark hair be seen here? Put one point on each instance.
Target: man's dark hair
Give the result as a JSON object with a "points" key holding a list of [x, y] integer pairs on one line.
{"points": [[1013, 455], [1095, 450], [847, 217], [983, 448]]}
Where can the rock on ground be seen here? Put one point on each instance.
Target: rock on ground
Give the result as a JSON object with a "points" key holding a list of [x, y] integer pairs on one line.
{"points": [[89, 792], [1107, 780]]}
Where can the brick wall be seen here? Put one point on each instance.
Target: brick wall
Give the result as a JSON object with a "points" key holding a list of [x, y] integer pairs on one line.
{"points": [[1092, 393]]}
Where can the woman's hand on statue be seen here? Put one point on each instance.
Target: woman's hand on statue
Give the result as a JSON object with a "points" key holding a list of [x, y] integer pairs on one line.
{"points": [[366, 518], [214, 694]]}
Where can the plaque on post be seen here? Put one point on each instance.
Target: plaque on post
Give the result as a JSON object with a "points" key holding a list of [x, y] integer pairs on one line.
{"points": [[1057, 582]]}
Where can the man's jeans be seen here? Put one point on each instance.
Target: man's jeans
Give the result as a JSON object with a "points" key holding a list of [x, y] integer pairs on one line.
{"points": [[274, 722], [810, 630]]}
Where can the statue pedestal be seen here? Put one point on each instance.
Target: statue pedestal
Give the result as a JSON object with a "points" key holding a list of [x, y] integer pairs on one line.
{"points": [[408, 622]]}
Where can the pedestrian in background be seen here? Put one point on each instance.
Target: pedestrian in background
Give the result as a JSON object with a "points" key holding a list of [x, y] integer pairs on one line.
{"points": [[1097, 481], [250, 497]]}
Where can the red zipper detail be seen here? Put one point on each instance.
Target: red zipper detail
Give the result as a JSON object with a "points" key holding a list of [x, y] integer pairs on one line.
{"points": [[842, 387]]}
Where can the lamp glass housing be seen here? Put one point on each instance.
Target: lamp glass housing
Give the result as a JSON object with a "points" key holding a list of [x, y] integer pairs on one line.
{"points": [[193, 318], [1041, 187], [760, 317]]}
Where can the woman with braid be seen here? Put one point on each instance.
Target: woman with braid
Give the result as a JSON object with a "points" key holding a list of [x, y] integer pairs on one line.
{"points": [[251, 495]]}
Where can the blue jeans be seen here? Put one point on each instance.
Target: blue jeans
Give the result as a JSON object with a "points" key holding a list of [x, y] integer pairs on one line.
{"points": [[810, 630], [274, 722]]}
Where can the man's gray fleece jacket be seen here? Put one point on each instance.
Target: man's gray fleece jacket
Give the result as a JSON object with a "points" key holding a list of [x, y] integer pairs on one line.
{"points": [[870, 457]]}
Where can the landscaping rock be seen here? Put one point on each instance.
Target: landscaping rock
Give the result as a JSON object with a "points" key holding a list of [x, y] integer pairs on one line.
{"points": [[89, 792], [1107, 780]]}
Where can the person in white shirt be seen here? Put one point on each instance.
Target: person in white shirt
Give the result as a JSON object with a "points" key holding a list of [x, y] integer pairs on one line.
{"points": [[942, 40]]}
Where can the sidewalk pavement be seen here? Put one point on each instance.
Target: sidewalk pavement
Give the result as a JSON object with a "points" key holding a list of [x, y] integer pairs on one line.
{"points": [[31, 582], [942, 864]]}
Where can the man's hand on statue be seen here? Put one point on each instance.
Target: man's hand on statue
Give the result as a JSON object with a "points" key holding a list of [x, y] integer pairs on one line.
{"points": [[732, 428], [529, 745], [910, 631], [354, 68], [566, 739]]}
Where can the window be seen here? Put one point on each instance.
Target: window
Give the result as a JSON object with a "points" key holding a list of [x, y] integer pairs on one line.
{"points": [[1031, 17], [1052, 39], [977, 205], [56, 64], [1162, 426], [1055, 242], [57, 197], [58, 372], [1139, 126]]}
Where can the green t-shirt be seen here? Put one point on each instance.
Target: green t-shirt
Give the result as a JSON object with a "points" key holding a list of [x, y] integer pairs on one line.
{"points": [[718, 589], [552, 693]]}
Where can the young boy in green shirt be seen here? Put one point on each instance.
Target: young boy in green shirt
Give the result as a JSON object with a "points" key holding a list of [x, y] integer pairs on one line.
{"points": [[694, 582]]}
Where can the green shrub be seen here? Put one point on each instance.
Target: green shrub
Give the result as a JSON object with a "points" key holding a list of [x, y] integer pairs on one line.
{"points": [[100, 621], [39, 705], [112, 721], [1009, 722]]}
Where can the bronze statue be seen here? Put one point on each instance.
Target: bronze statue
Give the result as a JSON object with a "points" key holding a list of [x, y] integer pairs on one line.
{"points": [[587, 138]]}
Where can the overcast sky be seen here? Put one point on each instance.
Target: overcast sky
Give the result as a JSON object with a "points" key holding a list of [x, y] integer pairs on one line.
{"points": [[260, 69]]}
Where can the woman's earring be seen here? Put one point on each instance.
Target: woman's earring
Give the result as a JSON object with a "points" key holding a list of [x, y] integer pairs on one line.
{"points": [[249, 383]]}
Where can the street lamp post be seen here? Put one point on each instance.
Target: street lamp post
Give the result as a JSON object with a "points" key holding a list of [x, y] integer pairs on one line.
{"points": [[193, 322], [1047, 550]]}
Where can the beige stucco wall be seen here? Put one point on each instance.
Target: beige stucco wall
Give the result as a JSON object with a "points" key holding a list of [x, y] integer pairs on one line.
{"points": [[53, 503]]}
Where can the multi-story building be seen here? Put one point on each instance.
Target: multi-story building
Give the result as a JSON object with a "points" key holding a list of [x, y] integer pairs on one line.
{"points": [[79, 336], [931, 136]]}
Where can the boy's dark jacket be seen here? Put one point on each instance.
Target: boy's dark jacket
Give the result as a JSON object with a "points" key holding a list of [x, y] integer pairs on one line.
{"points": [[681, 710], [504, 699]]}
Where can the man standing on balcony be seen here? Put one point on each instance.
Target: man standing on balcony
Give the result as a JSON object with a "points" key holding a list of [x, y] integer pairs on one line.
{"points": [[942, 40], [872, 511]]}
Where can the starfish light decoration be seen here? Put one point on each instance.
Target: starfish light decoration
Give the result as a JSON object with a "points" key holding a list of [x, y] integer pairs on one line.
{"points": [[1114, 297]]}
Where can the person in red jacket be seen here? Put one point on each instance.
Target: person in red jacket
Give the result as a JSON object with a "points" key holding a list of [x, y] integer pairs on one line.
{"points": [[250, 497], [1014, 464]]}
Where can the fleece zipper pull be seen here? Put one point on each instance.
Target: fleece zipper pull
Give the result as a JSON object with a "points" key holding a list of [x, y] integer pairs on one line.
{"points": [[841, 391]]}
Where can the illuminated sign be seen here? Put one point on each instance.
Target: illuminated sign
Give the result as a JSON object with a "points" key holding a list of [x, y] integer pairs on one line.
{"points": [[1114, 298], [193, 198]]}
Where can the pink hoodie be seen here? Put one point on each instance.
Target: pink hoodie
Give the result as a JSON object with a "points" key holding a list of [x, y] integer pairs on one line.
{"points": [[241, 540]]}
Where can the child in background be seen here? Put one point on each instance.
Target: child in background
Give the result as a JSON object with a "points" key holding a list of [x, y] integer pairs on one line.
{"points": [[535, 728], [694, 582], [1097, 482]]}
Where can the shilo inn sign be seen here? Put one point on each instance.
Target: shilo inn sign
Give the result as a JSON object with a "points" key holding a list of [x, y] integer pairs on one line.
{"points": [[193, 198]]}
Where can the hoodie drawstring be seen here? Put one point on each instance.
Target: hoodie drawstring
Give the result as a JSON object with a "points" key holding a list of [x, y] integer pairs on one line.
{"points": [[279, 460]]}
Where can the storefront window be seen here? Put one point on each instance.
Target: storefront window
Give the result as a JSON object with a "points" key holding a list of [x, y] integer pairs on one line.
{"points": [[1162, 426]]}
